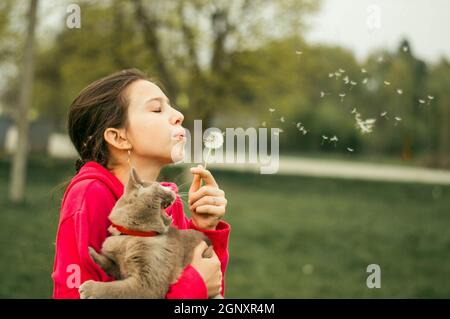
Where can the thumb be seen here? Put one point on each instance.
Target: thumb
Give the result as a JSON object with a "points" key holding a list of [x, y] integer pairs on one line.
{"points": [[200, 248]]}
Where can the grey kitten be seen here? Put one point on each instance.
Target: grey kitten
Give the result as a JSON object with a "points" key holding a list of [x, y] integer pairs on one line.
{"points": [[144, 267]]}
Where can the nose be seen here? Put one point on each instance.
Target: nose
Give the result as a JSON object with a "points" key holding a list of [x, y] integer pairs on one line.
{"points": [[177, 118]]}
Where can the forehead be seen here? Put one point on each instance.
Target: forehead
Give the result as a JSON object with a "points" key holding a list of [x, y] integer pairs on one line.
{"points": [[142, 90]]}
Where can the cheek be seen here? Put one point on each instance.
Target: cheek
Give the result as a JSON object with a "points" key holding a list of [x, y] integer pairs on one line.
{"points": [[149, 136]]}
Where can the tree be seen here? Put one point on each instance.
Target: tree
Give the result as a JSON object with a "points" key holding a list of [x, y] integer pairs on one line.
{"points": [[18, 172]]}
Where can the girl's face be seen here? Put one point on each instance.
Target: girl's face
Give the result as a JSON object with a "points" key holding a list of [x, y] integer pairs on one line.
{"points": [[154, 127]]}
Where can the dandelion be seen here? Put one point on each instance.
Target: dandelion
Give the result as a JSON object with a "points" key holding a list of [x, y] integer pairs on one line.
{"points": [[213, 140], [282, 119], [342, 95], [400, 91], [363, 70], [350, 149], [387, 83], [271, 110]]}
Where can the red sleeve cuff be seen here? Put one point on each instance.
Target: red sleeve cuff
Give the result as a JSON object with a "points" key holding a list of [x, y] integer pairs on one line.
{"points": [[190, 285], [219, 236]]}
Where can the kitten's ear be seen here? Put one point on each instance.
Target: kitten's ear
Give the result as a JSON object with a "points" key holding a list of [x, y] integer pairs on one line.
{"points": [[134, 181]]}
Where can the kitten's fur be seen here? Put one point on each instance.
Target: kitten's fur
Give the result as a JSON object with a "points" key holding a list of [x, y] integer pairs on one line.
{"points": [[144, 267]]}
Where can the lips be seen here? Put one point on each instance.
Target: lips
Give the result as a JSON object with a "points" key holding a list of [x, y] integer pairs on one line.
{"points": [[179, 134]]}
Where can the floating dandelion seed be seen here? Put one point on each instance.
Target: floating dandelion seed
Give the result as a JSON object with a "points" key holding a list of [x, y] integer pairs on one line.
{"points": [[353, 111], [298, 52], [342, 95], [387, 83], [430, 97], [282, 119], [363, 70], [341, 70], [299, 125], [365, 126], [263, 124], [334, 139], [400, 91], [330, 75], [213, 140], [398, 119], [405, 48], [346, 79], [337, 74], [365, 80], [322, 94], [421, 101], [271, 110], [350, 149], [380, 59], [383, 114], [353, 83], [324, 138]]}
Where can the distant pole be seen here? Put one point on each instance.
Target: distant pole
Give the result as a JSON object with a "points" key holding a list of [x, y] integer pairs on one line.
{"points": [[18, 172]]}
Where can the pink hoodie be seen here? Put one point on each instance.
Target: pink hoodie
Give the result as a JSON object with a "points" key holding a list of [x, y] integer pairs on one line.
{"points": [[84, 222]]}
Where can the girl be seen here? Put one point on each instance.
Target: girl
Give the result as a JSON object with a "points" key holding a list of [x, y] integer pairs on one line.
{"points": [[121, 120]]}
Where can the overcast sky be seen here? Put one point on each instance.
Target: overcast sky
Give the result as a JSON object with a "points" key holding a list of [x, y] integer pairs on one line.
{"points": [[353, 24]]}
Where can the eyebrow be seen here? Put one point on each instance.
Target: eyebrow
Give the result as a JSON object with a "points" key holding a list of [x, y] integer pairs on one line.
{"points": [[159, 98]]}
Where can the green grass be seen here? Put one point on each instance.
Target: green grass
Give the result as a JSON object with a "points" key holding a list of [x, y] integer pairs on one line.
{"points": [[279, 225]]}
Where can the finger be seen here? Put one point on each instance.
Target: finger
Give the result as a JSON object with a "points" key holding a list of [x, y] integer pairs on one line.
{"points": [[196, 183], [205, 175], [205, 191], [209, 200], [200, 248], [215, 211]]}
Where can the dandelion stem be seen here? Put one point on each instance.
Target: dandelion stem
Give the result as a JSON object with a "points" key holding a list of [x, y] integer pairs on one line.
{"points": [[207, 157]]}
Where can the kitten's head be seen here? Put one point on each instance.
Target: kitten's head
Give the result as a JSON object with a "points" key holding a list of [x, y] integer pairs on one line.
{"points": [[142, 206]]}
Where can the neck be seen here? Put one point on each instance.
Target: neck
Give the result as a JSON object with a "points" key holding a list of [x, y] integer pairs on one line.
{"points": [[148, 171]]}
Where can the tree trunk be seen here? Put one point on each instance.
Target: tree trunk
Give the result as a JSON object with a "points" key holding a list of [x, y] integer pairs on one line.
{"points": [[18, 172]]}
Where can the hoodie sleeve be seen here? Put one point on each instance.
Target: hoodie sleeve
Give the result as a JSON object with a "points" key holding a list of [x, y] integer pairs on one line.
{"points": [[85, 225]]}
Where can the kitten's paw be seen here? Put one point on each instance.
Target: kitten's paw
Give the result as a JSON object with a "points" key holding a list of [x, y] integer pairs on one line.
{"points": [[87, 289]]}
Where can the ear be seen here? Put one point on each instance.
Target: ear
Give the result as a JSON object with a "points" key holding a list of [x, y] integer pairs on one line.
{"points": [[133, 181], [117, 138]]}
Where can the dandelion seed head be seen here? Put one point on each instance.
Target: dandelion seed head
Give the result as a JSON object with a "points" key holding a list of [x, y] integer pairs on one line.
{"points": [[213, 140]]}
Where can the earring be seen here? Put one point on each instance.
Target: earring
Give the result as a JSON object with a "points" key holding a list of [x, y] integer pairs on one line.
{"points": [[129, 158]]}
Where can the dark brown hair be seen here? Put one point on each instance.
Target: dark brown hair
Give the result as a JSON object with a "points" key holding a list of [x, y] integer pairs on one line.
{"points": [[100, 105]]}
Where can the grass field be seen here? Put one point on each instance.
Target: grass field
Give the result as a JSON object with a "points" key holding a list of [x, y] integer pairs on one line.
{"points": [[292, 237]]}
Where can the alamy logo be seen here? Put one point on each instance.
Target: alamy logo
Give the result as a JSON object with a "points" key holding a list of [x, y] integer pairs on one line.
{"points": [[374, 279], [73, 20]]}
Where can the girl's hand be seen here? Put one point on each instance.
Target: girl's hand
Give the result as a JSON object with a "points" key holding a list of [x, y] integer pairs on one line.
{"points": [[208, 268], [207, 203]]}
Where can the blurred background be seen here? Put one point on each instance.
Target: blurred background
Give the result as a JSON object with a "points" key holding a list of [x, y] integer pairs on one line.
{"points": [[361, 91]]}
